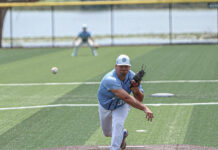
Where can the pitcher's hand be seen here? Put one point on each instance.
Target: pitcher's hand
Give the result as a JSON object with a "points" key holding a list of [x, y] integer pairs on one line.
{"points": [[149, 114]]}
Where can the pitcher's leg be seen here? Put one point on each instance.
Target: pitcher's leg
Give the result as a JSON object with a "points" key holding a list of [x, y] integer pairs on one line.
{"points": [[106, 121], [118, 119]]}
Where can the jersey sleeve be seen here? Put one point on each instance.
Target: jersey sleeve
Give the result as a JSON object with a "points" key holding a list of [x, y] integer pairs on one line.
{"points": [[111, 83]]}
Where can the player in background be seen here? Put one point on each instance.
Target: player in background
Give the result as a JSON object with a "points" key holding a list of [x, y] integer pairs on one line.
{"points": [[84, 37], [115, 101]]}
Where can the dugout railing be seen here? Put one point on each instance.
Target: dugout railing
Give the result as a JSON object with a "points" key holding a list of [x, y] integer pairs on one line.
{"points": [[55, 24]]}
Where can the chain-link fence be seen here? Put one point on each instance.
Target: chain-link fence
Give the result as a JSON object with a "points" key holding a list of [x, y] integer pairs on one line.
{"points": [[56, 26]]}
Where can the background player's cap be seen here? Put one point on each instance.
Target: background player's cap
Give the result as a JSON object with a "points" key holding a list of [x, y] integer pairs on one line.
{"points": [[84, 25], [123, 60]]}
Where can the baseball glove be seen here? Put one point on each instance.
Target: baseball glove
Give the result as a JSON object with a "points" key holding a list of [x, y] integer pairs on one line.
{"points": [[137, 78]]}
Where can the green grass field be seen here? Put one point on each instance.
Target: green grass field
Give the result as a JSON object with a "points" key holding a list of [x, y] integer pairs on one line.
{"points": [[37, 128]]}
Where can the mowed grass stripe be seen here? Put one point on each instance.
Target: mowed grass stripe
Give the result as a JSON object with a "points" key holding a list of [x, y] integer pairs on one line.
{"points": [[29, 68], [171, 125], [81, 68], [168, 127], [31, 96], [52, 128], [192, 62], [11, 119], [191, 92], [203, 126], [45, 115], [17, 54], [23, 96], [40, 129]]}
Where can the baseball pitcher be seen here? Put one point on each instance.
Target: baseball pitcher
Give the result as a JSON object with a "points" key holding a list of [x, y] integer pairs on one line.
{"points": [[115, 100]]}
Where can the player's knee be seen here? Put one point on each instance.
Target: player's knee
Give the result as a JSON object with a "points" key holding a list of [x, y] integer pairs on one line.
{"points": [[118, 126], [107, 133]]}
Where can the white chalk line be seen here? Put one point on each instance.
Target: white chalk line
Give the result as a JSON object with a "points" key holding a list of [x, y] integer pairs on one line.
{"points": [[95, 105], [96, 83], [39, 84]]}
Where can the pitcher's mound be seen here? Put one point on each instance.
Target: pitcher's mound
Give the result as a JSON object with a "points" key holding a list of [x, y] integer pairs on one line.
{"points": [[139, 147]]}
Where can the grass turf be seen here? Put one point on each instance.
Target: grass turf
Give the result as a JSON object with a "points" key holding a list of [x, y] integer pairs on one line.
{"points": [[53, 127]]}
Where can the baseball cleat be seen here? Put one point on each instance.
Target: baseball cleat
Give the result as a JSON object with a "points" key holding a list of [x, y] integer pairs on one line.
{"points": [[123, 144]]}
